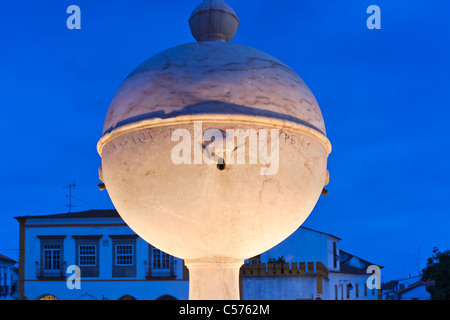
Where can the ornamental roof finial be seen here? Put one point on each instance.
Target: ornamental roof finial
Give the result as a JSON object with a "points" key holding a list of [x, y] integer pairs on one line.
{"points": [[213, 20]]}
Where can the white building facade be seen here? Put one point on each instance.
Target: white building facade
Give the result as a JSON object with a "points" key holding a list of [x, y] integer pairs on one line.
{"points": [[326, 273], [114, 263], [8, 279], [412, 288]]}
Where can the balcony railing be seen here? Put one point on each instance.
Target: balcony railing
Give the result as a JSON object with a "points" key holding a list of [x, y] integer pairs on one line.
{"points": [[4, 291], [161, 273], [42, 273]]}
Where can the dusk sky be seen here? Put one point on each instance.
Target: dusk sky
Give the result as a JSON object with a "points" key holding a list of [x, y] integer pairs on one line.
{"points": [[384, 95]]}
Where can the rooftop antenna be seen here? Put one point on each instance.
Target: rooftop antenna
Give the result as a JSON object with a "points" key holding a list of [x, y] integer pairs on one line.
{"points": [[417, 259], [70, 196]]}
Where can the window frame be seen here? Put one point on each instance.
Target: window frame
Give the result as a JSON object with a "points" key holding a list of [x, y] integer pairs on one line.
{"points": [[120, 270], [163, 260], [88, 271], [51, 265], [130, 255], [87, 255], [48, 255]]}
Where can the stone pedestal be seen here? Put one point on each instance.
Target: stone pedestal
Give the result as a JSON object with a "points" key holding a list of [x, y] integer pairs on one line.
{"points": [[214, 279]]}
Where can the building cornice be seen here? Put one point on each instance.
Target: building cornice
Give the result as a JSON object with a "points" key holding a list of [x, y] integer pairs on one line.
{"points": [[87, 237]]}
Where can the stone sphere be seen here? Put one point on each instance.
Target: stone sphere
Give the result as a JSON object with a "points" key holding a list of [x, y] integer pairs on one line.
{"points": [[198, 209], [213, 20]]}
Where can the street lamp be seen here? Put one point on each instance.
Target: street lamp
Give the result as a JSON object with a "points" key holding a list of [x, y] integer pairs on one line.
{"points": [[349, 287]]}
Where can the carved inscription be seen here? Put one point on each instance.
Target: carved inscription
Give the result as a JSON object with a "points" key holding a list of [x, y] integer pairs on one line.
{"points": [[291, 138], [145, 136], [153, 135]]}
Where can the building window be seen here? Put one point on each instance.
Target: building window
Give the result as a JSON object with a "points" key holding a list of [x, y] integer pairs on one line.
{"points": [[162, 265], [255, 260], [336, 292], [87, 255], [356, 290], [365, 289], [52, 257], [160, 259], [124, 254], [335, 255], [348, 291], [51, 264]]}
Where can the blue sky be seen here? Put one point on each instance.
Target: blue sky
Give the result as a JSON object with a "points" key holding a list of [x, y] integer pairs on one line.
{"points": [[384, 95]]}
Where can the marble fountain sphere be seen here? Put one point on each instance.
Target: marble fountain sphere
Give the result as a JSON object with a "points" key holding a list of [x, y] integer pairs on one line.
{"points": [[213, 214]]}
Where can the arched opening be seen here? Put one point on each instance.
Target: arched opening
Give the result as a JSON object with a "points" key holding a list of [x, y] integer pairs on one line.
{"points": [[127, 297], [48, 297], [167, 297], [86, 296]]}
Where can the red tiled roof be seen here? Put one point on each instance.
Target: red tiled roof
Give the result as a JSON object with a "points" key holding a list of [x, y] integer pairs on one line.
{"points": [[415, 285], [389, 285], [345, 268], [82, 214], [5, 258]]}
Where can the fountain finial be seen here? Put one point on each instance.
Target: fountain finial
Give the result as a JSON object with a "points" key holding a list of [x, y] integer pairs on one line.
{"points": [[213, 20]]}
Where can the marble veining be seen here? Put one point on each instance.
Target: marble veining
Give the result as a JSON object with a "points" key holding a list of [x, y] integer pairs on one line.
{"points": [[198, 73]]}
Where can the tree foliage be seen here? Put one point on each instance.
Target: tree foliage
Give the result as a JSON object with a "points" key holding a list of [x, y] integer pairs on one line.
{"points": [[438, 269], [279, 260]]}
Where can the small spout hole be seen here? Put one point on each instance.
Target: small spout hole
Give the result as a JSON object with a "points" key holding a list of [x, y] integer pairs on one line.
{"points": [[221, 164]]}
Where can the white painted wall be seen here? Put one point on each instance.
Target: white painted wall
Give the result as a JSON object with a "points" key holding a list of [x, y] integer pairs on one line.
{"points": [[330, 253], [342, 279], [278, 288], [418, 292]]}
